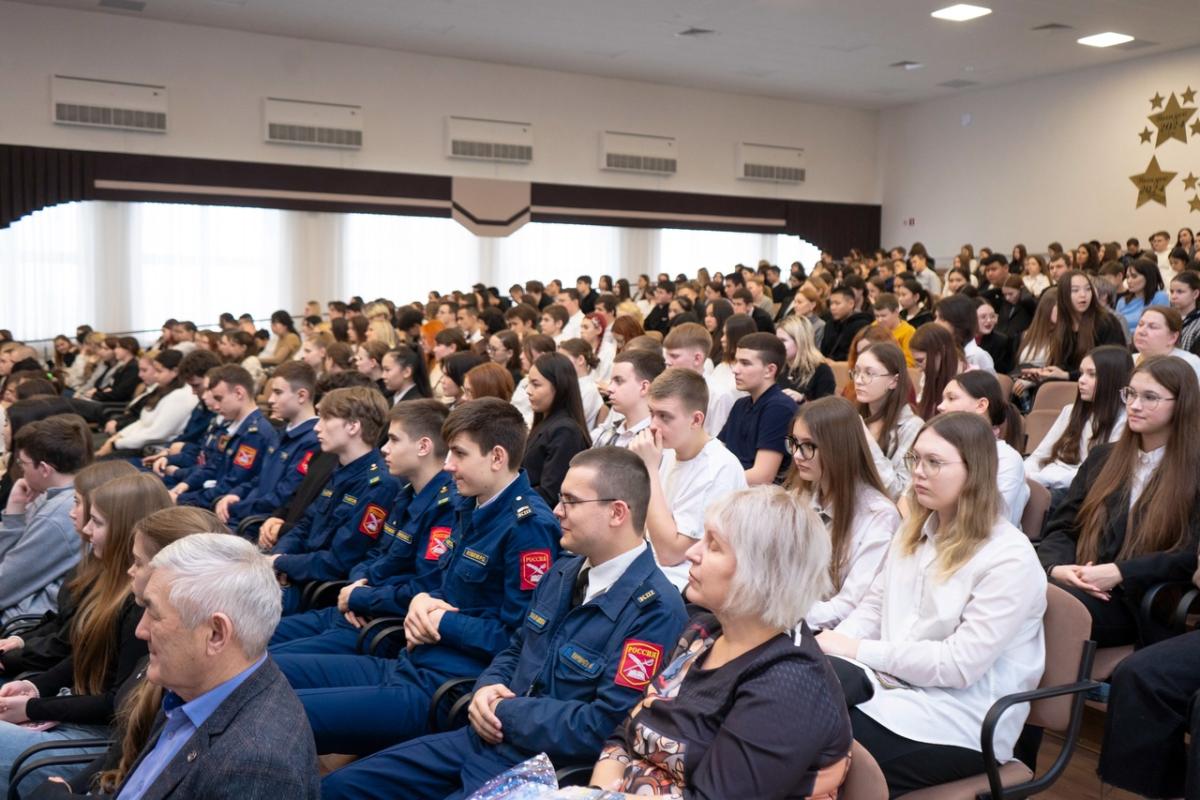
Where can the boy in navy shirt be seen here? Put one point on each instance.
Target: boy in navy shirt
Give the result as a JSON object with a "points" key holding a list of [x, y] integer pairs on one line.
{"points": [[758, 425]]}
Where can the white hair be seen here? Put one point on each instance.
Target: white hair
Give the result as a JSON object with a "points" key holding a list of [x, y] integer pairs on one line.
{"points": [[219, 573], [782, 551]]}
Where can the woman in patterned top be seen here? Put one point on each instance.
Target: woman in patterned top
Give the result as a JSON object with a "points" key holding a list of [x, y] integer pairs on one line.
{"points": [[744, 708]]}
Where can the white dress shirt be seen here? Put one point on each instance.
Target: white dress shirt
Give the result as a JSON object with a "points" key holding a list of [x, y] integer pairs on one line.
{"points": [[978, 358], [893, 472], [1147, 463], [875, 521], [1057, 474], [592, 401], [722, 394], [1010, 480], [602, 578], [571, 328], [615, 433], [950, 646]]}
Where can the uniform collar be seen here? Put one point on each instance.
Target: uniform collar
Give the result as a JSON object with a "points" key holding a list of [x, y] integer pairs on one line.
{"points": [[513, 499], [300, 428], [632, 579], [602, 578], [433, 491], [367, 462]]}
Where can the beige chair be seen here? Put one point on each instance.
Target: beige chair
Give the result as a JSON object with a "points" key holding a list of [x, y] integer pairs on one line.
{"points": [[865, 780], [1037, 425], [1055, 395], [841, 374], [1056, 705], [1006, 385], [1034, 515]]}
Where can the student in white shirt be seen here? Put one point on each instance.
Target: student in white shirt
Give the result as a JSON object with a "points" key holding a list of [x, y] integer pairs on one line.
{"points": [[593, 331], [1097, 416], [533, 346], [979, 393], [687, 346], [163, 414], [952, 624], [1157, 334], [628, 391], [958, 315], [1131, 518], [881, 388], [569, 299], [834, 473], [584, 361], [688, 468], [554, 319]]}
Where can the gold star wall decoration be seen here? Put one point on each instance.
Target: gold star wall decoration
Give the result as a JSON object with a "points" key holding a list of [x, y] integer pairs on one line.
{"points": [[1196, 128], [1172, 121], [1189, 183], [1156, 101], [1152, 184], [1194, 203], [1144, 136], [1188, 96]]}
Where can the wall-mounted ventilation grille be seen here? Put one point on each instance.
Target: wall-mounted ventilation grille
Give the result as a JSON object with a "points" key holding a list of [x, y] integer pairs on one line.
{"points": [[491, 151], [632, 163], [500, 140], [101, 117], [308, 134], [769, 162], [770, 172], [312, 124], [118, 105]]}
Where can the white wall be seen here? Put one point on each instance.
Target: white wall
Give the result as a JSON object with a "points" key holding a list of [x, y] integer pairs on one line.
{"points": [[217, 78], [1043, 160]]}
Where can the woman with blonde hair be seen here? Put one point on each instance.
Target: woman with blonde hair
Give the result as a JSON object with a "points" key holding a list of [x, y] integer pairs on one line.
{"points": [[805, 376], [952, 624], [380, 330]]}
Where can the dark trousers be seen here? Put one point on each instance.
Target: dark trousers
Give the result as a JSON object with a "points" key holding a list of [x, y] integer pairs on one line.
{"points": [[1155, 701], [1117, 621]]}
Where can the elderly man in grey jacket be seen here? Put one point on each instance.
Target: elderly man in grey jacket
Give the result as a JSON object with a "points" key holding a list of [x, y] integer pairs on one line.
{"points": [[38, 543]]}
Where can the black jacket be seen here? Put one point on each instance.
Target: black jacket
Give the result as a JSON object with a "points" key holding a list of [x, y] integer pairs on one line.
{"points": [[552, 445], [124, 384], [657, 320], [48, 643], [1139, 573], [835, 342]]}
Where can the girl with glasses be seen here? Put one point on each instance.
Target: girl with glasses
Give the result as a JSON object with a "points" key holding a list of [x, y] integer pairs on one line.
{"points": [[834, 473], [881, 391], [953, 623], [1131, 518]]}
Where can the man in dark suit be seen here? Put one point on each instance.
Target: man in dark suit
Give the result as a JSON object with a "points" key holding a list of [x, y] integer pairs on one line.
{"points": [[230, 725]]}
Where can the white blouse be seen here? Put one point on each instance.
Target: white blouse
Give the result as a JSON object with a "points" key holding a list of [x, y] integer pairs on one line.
{"points": [[1057, 474], [159, 424], [946, 648], [890, 464]]}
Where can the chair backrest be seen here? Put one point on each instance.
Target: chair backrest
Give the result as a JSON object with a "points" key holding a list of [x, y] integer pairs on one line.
{"points": [[1034, 515], [1055, 395], [841, 374], [865, 780], [1006, 385], [1067, 625], [1037, 424]]}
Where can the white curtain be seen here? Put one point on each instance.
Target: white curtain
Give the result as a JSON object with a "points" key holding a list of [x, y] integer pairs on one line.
{"points": [[403, 258], [47, 262]]}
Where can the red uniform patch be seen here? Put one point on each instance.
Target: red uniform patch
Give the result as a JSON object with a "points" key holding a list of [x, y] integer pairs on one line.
{"points": [[302, 467], [372, 521], [437, 543], [639, 663], [534, 566], [245, 456]]}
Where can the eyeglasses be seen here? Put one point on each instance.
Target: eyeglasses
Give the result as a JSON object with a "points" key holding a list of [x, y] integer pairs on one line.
{"points": [[1149, 400], [930, 466], [802, 451], [568, 501], [863, 376]]}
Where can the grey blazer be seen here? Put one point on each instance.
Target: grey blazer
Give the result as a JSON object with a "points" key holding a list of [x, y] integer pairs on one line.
{"points": [[257, 745]]}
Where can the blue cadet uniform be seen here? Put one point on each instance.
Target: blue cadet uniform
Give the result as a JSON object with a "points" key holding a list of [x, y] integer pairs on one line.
{"points": [[339, 528], [495, 556], [285, 466], [242, 456], [403, 564], [190, 461], [576, 671]]}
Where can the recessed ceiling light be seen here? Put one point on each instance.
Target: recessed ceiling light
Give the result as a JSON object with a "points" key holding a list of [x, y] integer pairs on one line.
{"points": [[1106, 39], [696, 32], [961, 12], [907, 65]]}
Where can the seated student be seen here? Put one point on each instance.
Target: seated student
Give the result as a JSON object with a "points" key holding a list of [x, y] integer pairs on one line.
{"points": [[996, 344], [44, 646], [585, 363], [104, 648], [1143, 288], [842, 324], [503, 541], [554, 319], [340, 526], [939, 359], [176, 468], [184, 449], [743, 303], [559, 428], [916, 304], [834, 474], [688, 468], [738, 671], [488, 379], [113, 418], [1185, 295], [404, 562], [38, 545], [404, 375], [887, 316], [1132, 515], [957, 314], [1098, 416], [922, 667], [285, 464], [118, 383], [454, 372], [1082, 324], [368, 359], [758, 424], [632, 373], [609, 601], [978, 392], [1157, 334], [287, 341], [238, 348], [164, 412], [314, 349], [881, 390], [805, 376], [689, 345], [533, 347], [246, 441]]}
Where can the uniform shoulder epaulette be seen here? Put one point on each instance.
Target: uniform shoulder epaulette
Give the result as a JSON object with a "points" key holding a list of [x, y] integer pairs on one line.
{"points": [[374, 481], [444, 495], [645, 595], [521, 507]]}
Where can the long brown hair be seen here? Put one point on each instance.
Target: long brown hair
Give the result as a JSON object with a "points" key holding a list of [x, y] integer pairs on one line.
{"points": [[87, 480], [847, 464], [874, 334], [122, 502], [1160, 519], [1040, 334], [139, 708], [1075, 332], [943, 360], [978, 502], [1113, 365], [891, 357]]}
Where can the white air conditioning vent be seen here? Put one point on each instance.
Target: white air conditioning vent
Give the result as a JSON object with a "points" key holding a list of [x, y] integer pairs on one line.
{"points": [[767, 162], [489, 140], [637, 152], [108, 104], [312, 124]]}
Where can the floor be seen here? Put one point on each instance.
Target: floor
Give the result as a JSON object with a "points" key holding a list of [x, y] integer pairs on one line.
{"points": [[1079, 781]]}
